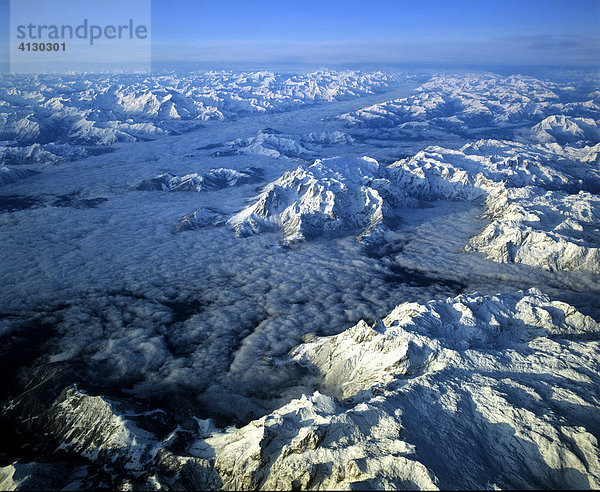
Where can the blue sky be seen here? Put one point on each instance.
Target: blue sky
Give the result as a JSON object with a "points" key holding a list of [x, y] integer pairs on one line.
{"points": [[505, 32], [427, 32]]}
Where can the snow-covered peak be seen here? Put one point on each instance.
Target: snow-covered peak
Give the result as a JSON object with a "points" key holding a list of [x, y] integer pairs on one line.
{"points": [[471, 392], [534, 195], [417, 339], [491, 367], [215, 179], [11, 174], [564, 129], [269, 142], [128, 107], [482, 105], [329, 197]]}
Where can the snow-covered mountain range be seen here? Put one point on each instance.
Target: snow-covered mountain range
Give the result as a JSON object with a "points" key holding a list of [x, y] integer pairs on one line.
{"points": [[537, 198], [215, 179], [42, 113], [269, 142], [333, 280], [485, 105], [324, 199], [502, 381]]}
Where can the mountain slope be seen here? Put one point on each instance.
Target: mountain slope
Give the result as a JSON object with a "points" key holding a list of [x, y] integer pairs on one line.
{"points": [[329, 197]]}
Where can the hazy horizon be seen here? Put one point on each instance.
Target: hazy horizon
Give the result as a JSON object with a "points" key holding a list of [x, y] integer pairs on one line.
{"points": [[434, 34], [466, 33]]}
